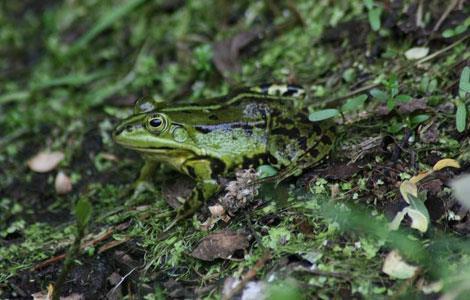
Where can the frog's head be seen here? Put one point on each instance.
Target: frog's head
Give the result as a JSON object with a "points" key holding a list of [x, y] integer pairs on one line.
{"points": [[154, 133]]}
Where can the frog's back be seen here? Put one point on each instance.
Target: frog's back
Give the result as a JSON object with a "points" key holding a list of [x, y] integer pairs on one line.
{"points": [[261, 125]]}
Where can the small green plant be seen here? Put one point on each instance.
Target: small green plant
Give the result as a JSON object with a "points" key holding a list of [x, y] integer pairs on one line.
{"points": [[83, 210], [374, 11], [461, 28], [464, 89], [391, 95]]}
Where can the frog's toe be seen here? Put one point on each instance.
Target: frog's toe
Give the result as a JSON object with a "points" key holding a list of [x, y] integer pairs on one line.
{"points": [[142, 186], [137, 188]]}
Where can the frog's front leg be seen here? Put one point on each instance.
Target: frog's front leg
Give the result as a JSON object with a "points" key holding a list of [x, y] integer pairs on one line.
{"points": [[206, 186], [144, 182]]}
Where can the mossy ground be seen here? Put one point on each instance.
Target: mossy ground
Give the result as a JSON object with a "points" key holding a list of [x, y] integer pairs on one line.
{"points": [[70, 70]]}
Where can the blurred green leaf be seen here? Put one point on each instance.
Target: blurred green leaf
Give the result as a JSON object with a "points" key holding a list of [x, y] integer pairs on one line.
{"points": [[379, 94], [284, 290], [14, 96], [448, 33], [432, 86], [349, 75], [83, 211], [374, 18], [415, 120], [461, 116], [354, 103], [105, 21], [464, 83], [369, 4], [266, 171], [324, 114], [403, 98], [70, 80]]}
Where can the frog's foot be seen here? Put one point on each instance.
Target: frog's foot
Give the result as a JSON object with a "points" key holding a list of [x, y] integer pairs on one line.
{"points": [[137, 188], [141, 186], [143, 183]]}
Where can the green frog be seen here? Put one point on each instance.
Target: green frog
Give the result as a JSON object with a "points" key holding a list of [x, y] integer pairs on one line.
{"points": [[210, 139]]}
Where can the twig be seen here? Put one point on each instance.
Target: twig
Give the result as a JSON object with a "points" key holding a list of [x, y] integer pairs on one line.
{"points": [[446, 13], [437, 53], [248, 276], [352, 93], [101, 237], [112, 244], [69, 262], [113, 290], [419, 15]]}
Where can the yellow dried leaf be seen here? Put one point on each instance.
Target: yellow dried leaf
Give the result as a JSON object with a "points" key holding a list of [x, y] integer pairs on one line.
{"points": [[408, 188], [446, 162], [415, 179]]}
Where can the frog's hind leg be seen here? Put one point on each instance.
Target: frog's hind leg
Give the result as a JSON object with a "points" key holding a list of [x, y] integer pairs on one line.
{"points": [[283, 90], [312, 156]]}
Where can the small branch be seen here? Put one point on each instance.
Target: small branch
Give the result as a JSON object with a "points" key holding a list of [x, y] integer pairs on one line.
{"points": [[113, 290], [334, 102], [99, 238], [446, 13], [437, 53], [68, 264], [419, 15]]}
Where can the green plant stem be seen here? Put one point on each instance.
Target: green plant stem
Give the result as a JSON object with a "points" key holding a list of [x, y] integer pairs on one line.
{"points": [[68, 263]]}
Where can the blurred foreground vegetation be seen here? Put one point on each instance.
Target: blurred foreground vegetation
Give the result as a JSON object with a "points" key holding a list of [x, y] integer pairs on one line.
{"points": [[393, 74]]}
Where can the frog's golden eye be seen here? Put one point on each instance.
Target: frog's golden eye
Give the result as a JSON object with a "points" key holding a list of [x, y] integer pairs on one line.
{"points": [[156, 123]]}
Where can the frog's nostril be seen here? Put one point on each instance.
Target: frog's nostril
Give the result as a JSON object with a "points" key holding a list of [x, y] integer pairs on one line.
{"points": [[120, 129]]}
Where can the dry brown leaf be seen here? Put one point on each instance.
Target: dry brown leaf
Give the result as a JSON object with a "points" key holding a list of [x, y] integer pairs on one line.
{"points": [[220, 245], [62, 183], [227, 52], [394, 266], [45, 161]]}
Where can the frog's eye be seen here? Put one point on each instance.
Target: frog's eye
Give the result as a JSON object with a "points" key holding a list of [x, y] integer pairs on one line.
{"points": [[156, 123]]}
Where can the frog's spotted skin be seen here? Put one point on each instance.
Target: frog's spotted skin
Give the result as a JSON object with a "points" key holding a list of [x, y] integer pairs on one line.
{"points": [[261, 125], [285, 90]]}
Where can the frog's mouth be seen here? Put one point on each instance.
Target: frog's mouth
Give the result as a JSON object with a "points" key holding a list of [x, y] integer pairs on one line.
{"points": [[159, 150], [150, 149], [163, 150]]}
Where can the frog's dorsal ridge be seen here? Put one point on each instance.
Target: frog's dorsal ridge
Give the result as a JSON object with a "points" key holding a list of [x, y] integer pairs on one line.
{"points": [[264, 91], [283, 90]]}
